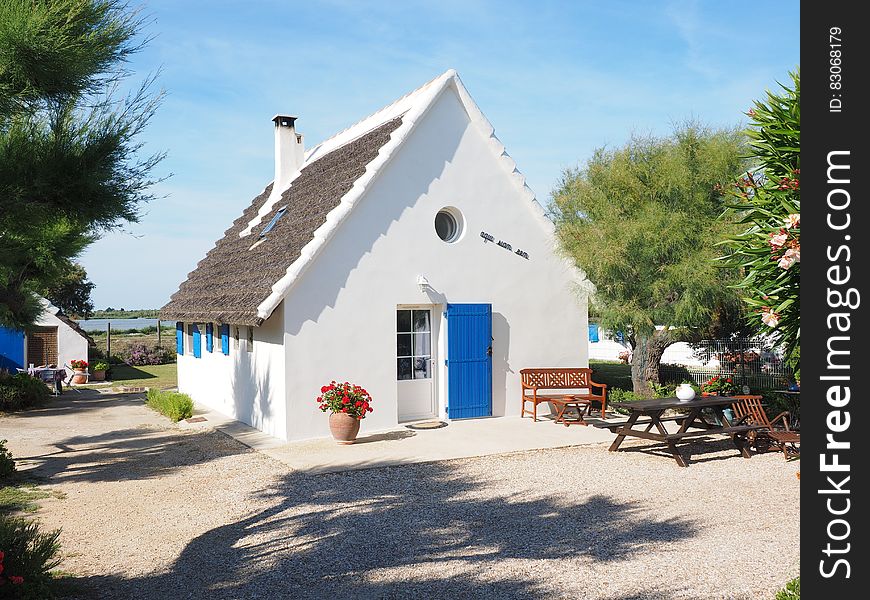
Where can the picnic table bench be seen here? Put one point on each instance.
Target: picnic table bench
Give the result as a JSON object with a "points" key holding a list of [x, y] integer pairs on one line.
{"points": [[652, 411], [557, 384]]}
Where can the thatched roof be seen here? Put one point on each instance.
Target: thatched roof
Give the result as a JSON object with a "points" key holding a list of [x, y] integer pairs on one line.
{"points": [[237, 275]]}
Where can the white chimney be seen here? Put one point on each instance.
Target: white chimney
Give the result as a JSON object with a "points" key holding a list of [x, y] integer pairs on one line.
{"points": [[289, 151]]}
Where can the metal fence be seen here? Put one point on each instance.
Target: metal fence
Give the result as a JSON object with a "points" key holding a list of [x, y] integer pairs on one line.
{"points": [[748, 361]]}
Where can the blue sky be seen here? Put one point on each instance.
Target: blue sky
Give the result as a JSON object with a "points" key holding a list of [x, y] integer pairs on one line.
{"points": [[556, 79]]}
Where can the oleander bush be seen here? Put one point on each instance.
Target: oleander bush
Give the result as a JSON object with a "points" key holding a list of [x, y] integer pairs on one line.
{"points": [[172, 404], [27, 556], [21, 391], [791, 591], [7, 463]]}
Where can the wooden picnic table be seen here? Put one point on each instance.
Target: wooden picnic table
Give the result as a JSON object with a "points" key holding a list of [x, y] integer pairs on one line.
{"points": [[652, 411]]}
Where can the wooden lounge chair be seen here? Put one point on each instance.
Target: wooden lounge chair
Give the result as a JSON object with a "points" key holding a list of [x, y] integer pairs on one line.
{"points": [[748, 410]]}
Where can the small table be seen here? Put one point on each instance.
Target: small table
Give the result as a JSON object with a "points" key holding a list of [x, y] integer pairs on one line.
{"points": [[52, 376], [653, 409], [570, 401]]}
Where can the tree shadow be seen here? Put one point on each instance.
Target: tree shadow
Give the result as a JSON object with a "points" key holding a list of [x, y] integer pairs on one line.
{"points": [[424, 530], [127, 454]]}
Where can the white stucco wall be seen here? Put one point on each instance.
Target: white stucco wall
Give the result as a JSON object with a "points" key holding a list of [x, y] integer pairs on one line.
{"points": [[248, 386], [340, 316], [70, 344]]}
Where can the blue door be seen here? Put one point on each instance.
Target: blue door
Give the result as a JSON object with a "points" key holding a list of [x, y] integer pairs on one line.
{"points": [[469, 360], [11, 349]]}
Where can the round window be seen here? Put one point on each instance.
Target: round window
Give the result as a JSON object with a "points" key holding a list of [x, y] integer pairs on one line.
{"points": [[448, 224]]}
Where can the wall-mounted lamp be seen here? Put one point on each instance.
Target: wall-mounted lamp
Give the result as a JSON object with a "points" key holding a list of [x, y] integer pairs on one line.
{"points": [[423, 283]]}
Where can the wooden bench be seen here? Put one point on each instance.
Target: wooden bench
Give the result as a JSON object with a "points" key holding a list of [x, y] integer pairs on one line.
{"points": [[565, 381]]}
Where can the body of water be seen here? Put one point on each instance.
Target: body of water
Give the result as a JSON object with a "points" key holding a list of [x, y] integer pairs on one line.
{"points": [[100, 324]]}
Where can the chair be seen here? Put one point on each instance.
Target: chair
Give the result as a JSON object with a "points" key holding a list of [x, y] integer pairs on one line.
{"points": [[748, 410]]}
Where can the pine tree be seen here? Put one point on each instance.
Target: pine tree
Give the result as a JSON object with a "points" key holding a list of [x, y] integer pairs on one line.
{"points": [[641, 222], [70, 158]]}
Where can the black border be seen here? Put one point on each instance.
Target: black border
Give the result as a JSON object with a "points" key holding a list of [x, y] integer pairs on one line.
{"points": [[823, 131]]}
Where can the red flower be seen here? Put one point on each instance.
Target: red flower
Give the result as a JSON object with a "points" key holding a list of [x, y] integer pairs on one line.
{"points": [[323, 389], [370, 409], [345, 400], [344, 409], [16, 580], [357, 403], [359, 418]]}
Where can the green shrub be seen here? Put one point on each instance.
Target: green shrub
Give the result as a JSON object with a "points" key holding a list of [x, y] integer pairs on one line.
{"points": [[791, 591], [172, 404], [7, 464], [29, 554], [620, 395], [21, 391]]}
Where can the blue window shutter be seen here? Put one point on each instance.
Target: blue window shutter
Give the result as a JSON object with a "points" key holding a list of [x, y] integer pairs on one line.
{"points": [[179, 337], [209, 337], [197, 341], [593, 332], [225, 339]]}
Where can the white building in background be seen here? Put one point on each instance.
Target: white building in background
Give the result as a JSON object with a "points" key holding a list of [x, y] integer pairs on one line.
{"points": [[404, 254], [54, 340]]}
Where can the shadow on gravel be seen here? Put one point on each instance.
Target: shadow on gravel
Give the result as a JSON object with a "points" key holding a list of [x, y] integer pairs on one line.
{"points": [[416, 531], [127, 454]]}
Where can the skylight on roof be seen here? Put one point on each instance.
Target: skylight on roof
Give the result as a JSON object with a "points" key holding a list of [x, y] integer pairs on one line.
{"points": [[273, 222]]}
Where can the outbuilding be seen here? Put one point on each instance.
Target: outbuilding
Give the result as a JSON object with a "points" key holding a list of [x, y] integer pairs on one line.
{"points": [[54, 340], [404, 254]]}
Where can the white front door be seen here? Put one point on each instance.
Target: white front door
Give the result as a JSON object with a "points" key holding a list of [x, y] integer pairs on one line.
{"points": [[414, 363]]}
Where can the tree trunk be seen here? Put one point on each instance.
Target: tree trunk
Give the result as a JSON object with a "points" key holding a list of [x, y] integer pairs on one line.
{"points": [[645, 360]]}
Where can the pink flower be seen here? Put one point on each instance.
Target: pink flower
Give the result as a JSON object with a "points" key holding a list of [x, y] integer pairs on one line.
{"points": [[16, 579], [793, 220], [769, 318], [786, 261], [794, 253], [777, 240]]}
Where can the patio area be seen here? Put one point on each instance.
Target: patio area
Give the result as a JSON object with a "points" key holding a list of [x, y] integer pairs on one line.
{"points": [[412, 443]]}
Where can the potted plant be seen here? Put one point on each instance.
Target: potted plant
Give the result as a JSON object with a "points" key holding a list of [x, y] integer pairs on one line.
{"points": [[99, 371], [81, 371], [718, 386], [349, 404]]}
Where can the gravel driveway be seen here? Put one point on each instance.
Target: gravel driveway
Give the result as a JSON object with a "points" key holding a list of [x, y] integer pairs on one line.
{"points": [[152, 511]]}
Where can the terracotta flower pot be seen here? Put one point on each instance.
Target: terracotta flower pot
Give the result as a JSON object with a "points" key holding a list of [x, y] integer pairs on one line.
{"points": [[80, 376], [343, 427]]}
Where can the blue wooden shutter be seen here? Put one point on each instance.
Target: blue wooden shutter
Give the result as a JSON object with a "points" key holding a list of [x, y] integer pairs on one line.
{"points": [[469, 360], [593, 333], [179, 337], [197, 340], [225, 339], [209, 337]]}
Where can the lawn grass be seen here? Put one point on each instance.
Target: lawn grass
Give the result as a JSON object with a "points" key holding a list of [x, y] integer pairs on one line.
{"points": [[615, 374], [152, 376], [22, 497]]}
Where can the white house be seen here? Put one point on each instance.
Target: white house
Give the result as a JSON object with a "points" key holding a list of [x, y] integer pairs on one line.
{"points": [[404, 254], [55, 340]]}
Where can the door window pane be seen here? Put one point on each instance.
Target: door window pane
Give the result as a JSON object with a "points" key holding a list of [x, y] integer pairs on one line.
{"points": [[403, 320], [422, 344], [421, 367], [403, 345], [421, 321], [404, 368]]}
